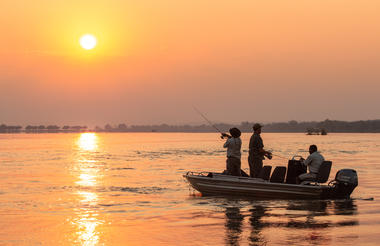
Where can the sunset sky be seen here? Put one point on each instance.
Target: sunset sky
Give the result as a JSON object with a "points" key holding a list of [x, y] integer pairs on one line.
{"points": [[273, 60]]}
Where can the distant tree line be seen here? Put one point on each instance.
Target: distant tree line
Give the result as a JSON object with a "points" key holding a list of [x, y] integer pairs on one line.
{"points": [[368, 126], [10, 129], [41, 129]]}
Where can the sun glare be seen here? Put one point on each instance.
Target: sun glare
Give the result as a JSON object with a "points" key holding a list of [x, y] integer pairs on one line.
{"points": [[88, 41], [88, 141]]}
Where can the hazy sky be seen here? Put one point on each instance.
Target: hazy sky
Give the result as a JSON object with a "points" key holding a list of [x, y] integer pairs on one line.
{"points": [[273, 60]]}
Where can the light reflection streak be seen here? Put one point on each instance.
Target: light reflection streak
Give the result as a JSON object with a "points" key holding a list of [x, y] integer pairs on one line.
{"points": [[89, 172], [88, 141], [86, 180], [89, 198], [87, 220]]}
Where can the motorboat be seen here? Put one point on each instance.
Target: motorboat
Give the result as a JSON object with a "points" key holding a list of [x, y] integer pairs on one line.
{"points": [[276, 186]]}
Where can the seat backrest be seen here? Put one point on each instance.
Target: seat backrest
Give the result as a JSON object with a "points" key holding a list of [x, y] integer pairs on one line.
{"points": [[295, 168], [265, 172], [278, 175], [324, 172]]}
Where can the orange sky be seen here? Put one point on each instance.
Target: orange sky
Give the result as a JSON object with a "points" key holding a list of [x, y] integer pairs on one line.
{"points": [[241, 60]]}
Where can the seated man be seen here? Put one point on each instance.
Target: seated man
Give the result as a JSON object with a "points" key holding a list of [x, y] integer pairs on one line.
{"points": [[313, 161]]}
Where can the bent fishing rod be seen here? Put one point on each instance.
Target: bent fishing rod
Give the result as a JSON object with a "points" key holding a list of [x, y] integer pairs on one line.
{"points": [[209, 122], [223, 134]]}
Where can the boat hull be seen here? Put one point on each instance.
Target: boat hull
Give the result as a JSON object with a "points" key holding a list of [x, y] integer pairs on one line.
{"points": [[218, 184]]}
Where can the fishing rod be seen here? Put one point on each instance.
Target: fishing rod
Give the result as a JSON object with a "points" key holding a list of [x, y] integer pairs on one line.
{"points": [[208, 121], [280, 156]]}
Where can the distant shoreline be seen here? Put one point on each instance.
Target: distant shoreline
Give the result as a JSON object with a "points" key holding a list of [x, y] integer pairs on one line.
{"points": [[330, 126], [92, 131]]}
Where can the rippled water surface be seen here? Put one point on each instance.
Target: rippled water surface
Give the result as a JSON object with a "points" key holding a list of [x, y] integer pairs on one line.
{"points": [[128, 189]]}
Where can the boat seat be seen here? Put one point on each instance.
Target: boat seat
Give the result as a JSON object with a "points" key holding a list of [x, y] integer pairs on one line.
{"points": [[278, 175], [323, 173], [295, 168], [265, 172]]}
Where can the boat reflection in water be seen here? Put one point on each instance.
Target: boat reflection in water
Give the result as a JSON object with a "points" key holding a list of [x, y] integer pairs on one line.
{"points": [[314, 218], [88, 173]]}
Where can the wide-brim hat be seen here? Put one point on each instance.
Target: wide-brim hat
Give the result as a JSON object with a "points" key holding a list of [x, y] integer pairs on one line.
{"points": [[235, 132], [257, 126]]}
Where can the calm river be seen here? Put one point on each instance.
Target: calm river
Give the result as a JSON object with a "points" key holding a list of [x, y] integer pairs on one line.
{"points": [[128, 189]]}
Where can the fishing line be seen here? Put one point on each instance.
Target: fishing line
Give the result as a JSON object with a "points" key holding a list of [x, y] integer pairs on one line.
{"points": [[204, 117], [280, 156]]}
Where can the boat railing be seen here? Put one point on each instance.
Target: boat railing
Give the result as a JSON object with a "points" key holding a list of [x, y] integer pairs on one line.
{"points": [[201, 174]]}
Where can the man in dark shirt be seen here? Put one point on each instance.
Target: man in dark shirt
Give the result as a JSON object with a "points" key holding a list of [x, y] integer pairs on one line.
{"points": [[256, 152]]}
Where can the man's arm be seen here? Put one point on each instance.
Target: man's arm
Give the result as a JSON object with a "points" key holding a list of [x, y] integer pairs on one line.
{"points": [[308, 160], [226, 143], [257, 142]]}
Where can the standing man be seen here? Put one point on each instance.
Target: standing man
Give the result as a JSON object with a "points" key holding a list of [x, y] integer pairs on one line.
{"points": [[256, 152], [233, 145]]}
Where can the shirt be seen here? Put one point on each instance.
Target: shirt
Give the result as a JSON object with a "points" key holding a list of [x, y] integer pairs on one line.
{"points": [[314, 161], [233, 146], [255, 145]]}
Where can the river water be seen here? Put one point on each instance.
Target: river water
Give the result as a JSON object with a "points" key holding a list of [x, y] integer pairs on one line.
{"points": [[128, 189]]}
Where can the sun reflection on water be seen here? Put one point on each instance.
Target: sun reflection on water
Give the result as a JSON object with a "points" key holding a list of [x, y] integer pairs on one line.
{"points": [[86, 180], [88, 141], [88, 198], [87, 221], [88, 174], [86, 165]]}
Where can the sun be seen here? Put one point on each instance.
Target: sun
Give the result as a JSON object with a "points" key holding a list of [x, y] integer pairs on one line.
{"points": [[88, 41]]}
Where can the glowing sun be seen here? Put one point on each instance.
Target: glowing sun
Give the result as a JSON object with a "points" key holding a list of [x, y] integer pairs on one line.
{"points": [[88, 41]]}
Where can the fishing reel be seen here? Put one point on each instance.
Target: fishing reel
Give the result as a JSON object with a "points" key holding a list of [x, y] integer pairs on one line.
{"points": [[225, 135], [269, 155]]}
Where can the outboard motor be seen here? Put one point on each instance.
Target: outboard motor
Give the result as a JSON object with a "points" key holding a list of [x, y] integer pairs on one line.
{"points": [[345, 182]]}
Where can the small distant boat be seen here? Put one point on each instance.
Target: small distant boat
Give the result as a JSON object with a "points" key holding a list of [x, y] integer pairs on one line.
{"points": [[316, 131], [210, 183]]}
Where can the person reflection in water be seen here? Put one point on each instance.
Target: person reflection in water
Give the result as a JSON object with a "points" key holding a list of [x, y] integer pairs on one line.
{"points": [[234, 222], [233, 145], [257, 212]]}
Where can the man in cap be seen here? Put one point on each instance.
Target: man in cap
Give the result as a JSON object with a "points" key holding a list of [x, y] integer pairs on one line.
{"points": [[256, 152]]}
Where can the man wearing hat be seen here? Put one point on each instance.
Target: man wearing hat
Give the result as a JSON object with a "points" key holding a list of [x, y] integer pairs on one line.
{"points": [[256, 152], [233, 145]]}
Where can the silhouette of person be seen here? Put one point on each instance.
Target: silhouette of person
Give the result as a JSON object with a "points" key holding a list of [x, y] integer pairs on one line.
{"points": [[233, 145], [313, 162], [256, 152]]}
